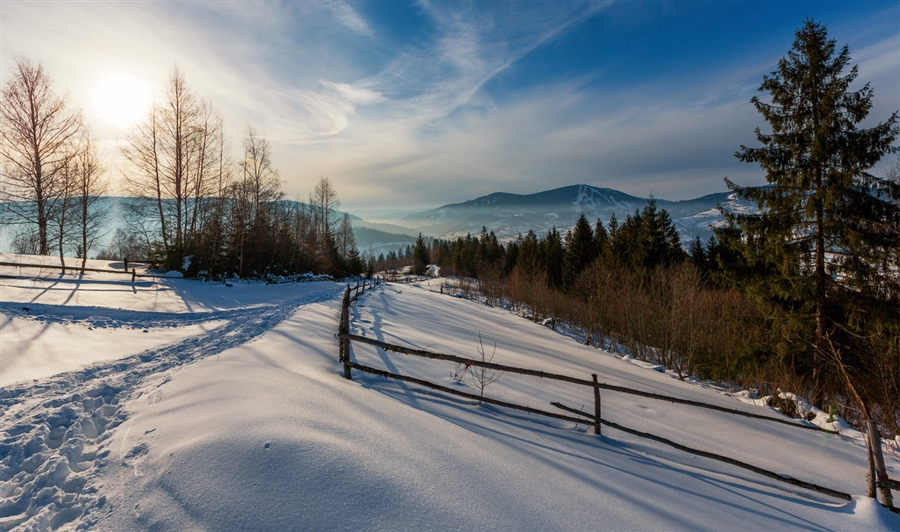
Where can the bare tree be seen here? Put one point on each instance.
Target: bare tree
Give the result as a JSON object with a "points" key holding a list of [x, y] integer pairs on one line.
{"points": [[173, 154], [262, 180], [65, 189], [481, 377], [90, 185], [346, 241], [36, 128], [324, 203]]}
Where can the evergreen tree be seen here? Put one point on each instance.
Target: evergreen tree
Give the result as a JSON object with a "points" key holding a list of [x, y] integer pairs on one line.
{"points": [[529, 262], [698, 255], [580, 251], [355, 264], [648, 239], [601, 240], [816, 250], [554, 256], [421, 256], [510, 258]]}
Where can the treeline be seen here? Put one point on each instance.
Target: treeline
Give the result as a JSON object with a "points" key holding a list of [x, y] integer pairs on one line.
{"points": [[629, 284], [194, 206]]}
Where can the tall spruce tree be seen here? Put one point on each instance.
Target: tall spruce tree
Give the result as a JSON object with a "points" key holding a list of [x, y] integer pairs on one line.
{"points": [[580, 251], [601, 240], [554, 255], [530, 262], [816, 249], [421, 256]]}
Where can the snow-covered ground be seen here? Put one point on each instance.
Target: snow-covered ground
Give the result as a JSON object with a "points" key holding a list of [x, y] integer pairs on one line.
{"points": [[230, 413]]}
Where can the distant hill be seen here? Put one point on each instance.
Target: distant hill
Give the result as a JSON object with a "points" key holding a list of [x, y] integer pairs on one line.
{"points": [[509, 215], [373, 242]]}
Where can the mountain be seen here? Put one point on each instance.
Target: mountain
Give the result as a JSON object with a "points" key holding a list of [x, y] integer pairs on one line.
{"points": [[509, 215]]}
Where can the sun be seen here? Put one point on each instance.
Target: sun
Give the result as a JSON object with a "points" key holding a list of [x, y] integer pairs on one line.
{"points": [[121, 99]]}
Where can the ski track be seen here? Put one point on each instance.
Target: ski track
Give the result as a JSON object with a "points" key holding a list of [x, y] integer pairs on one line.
{"points": [[53, 431]]}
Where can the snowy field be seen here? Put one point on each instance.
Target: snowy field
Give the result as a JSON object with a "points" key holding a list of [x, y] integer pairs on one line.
{"points": [[181, 405]]}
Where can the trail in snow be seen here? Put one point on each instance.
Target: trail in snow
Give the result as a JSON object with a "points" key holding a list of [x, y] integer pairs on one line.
{"points": [[53, 431]]}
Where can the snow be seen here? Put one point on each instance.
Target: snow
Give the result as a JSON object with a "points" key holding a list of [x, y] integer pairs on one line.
{"points": [[241, 420]]}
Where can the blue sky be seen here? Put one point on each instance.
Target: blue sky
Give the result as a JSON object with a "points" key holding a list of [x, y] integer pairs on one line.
{"points": [[417, 104]]}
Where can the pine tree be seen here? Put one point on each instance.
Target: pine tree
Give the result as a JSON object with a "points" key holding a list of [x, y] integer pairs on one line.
{"points": [[580, 251], [816, 250], [698, 255], [601, 240], [530, 262], [648, 239], [554, 256], [421, 256]]}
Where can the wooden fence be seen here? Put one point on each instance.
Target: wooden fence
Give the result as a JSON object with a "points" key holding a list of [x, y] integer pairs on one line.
{"points": [[396, 277], [133, 273], [877, 476]]}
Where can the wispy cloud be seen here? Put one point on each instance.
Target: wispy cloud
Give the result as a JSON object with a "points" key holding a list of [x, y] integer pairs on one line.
{"points": [[348, 17], [418, 120]]}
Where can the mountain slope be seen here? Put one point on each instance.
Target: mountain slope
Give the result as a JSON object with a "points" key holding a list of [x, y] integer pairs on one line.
{"points": [[251, 426]]}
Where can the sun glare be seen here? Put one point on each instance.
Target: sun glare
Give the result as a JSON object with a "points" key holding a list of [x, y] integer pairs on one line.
{"points": [[121, 99]]}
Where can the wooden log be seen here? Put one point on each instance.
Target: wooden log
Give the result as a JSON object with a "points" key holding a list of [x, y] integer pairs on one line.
{"points": [[474, 397], [743, 465], [880, 471], [573, 380], [596, 405]]}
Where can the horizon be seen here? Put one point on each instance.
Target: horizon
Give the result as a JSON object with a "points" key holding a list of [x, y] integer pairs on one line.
{"points": [[415, 106]]}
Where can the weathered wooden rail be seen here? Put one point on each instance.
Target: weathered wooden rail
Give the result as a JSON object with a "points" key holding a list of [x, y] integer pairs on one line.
{"points": [[344, 325], [133, 273], [566, 378], [401, 278], [877, 476]]}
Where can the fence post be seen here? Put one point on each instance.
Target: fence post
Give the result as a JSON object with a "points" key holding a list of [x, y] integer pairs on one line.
{"points": [[344, 329], [874, 444], [870, 476], [596, 405], [133, 274]]}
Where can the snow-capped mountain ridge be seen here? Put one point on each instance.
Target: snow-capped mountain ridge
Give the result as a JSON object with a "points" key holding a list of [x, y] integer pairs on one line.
{"points": [[510, 215]]}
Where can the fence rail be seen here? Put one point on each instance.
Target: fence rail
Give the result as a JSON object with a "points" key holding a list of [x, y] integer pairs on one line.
{"points": [[401, 278], [878, 479], [565, 378], [133, 273]]}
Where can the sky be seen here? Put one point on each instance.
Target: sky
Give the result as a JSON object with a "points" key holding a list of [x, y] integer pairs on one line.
{"points": [[412, 105]]}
